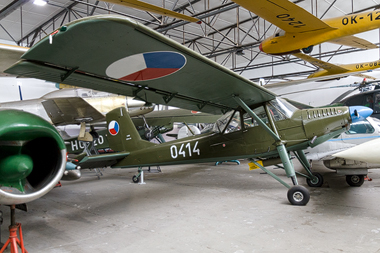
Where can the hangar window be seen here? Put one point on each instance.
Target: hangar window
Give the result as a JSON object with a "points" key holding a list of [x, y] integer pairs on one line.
{"points": [[361, 127]]}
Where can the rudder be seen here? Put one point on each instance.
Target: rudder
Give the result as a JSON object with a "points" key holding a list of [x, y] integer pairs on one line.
{"points": [[122, 134]]}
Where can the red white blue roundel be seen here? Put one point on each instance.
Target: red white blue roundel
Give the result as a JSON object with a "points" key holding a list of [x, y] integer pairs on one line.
{"points": [[146, 66], [113, 127]]}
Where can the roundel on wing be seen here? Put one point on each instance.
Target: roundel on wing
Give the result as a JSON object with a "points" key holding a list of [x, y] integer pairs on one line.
{"points": [[113, 127], [146, 66]]}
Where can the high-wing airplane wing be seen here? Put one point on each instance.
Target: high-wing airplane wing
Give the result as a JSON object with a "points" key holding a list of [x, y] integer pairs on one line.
{"points": [[9, 55], [73, 110], [353, 41], [153, 8], [285, 15], [118, 55]]}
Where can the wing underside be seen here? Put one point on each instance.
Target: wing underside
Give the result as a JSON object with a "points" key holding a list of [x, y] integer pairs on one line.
{"points": [[353, 41], [74, 110], [285, 15], [117, 55]]}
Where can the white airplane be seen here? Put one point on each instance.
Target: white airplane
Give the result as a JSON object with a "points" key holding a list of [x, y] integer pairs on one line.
{"points": [[73, 106], [367, 152], [351, 153]]}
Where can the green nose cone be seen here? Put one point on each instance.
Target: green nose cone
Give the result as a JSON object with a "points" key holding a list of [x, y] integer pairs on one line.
{"points": [[14, 169]]}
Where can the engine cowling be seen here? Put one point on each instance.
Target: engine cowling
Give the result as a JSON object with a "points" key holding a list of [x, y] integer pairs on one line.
{"points": [[32, 157]]}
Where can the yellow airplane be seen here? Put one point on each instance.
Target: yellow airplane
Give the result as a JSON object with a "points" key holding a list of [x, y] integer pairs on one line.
{"points": [[302, 30], [339, 70], [153, 8]]}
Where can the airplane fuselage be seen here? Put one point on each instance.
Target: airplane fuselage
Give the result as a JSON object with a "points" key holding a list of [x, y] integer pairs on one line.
{"points": [[340, 27], [250, 142]]}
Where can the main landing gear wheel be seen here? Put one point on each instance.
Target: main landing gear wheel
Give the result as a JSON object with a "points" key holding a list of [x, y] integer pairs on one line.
{"points": [[355, 180], [135, 179], [307, 50], [298, 195], [317, 182]]}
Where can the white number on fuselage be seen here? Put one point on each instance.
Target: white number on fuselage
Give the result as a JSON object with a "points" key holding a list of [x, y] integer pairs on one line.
{"points": [[184, 149]]}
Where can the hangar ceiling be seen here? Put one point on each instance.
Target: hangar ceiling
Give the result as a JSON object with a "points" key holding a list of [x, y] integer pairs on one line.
{"points": [[228, 34]]}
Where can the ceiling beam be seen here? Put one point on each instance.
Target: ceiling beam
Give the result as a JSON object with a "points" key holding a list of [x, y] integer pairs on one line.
{"points": [[11, 7]]}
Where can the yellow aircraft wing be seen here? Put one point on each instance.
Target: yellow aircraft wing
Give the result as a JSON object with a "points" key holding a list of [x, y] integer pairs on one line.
{"points": [[285, 15], [353, 41], [320, 63], [331, 70], [152, 8]]}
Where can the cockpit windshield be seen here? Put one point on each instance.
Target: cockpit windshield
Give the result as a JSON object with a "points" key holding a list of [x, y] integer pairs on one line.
{"points": [[283, 106]]}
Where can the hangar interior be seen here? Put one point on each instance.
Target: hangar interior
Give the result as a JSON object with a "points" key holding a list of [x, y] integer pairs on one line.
{"points": [[199, 208], [228, 34]]}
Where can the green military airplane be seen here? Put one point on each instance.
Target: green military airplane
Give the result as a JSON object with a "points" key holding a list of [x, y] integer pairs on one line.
{"points": [[118, 55]]}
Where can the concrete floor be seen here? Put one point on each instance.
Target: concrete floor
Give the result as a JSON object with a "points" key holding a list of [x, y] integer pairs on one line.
{"points": [[201, 208]]}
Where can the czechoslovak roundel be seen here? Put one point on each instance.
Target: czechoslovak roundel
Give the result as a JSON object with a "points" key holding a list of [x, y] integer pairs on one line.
{"points": [[146, 66], [113, 127]]}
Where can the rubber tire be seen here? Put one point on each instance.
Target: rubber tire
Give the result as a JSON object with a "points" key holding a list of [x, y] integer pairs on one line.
{"points": [[355, 180], [135, 179], [298, 195], [319, 183], [308, 50]]}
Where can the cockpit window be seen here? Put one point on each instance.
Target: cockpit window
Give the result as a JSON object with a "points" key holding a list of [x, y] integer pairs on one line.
{"points": [[226, 123], [279, 33], [361, 127]]}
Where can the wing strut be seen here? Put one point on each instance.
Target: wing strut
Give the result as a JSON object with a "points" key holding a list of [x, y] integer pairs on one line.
{"points": [[298, 195]]}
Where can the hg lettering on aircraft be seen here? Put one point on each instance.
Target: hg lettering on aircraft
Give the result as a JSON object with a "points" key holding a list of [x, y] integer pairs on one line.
{"points": [[76, 145]]}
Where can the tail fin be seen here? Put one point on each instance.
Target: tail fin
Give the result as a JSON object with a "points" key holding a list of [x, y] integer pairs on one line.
{"points": [[122, 134]]}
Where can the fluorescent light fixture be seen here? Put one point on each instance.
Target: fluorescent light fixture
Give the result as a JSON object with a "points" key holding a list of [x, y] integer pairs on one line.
{"points": [[40, 2]]}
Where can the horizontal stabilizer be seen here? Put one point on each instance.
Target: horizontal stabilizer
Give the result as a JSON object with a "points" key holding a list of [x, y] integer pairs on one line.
{"points": [[98, 161]]}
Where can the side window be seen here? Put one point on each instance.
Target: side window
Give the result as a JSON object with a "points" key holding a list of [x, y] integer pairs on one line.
{"points": [[358, 100], [251, 122], [361, 127], [376, 108], [235, 123], [230, 122]]}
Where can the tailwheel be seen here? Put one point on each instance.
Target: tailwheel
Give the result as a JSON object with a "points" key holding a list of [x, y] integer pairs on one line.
{"points": [[135, 179], [355, 180], [298, 195], [317, 181]]}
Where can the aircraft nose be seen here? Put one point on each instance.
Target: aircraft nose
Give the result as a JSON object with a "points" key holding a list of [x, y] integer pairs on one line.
{"points": [[359, 112], [261, 47]]}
